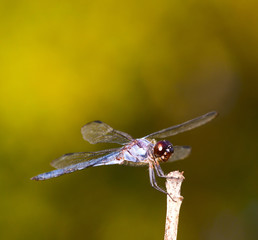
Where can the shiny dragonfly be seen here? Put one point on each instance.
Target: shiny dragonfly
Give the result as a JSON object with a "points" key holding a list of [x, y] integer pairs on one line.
{"points": [[134, 152]]}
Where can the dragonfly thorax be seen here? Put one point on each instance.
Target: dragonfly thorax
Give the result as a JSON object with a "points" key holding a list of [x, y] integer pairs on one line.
{"points": [[137, 151]]}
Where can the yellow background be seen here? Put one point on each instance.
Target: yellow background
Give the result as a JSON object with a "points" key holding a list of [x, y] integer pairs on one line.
{"points": [[140, 66]]}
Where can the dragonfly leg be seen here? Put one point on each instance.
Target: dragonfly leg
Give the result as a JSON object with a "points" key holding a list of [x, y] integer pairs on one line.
{"points": [[154, 183], [159, 171]]}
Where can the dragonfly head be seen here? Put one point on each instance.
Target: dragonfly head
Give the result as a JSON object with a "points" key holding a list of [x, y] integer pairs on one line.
{"points": [[163, 150]]}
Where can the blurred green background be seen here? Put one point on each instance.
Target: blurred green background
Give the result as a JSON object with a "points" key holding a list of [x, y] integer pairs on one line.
{"points": [[140, 66]]}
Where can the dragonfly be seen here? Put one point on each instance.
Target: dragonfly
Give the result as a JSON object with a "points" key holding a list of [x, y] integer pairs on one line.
{"points": [[133, 152]]}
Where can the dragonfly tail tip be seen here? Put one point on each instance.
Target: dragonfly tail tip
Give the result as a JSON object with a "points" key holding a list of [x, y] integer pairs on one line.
{"points": [[34, 178]]}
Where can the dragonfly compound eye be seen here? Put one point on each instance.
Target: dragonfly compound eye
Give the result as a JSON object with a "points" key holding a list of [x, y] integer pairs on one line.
{"points": [[163, 150]]}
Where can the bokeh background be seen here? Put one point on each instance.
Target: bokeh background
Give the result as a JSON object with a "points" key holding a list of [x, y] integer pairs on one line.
{"points": [[140, 66]]}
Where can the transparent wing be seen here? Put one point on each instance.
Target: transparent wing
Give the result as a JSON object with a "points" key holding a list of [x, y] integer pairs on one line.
{"points": [[97, 131], [186, 126], [74, 158], [180, 152]]}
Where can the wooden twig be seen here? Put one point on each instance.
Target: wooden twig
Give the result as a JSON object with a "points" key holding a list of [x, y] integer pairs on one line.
{"points": [[173, 186]]}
